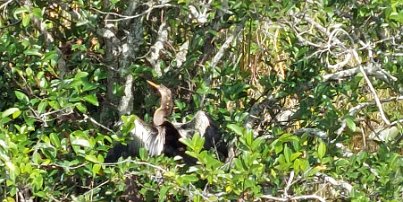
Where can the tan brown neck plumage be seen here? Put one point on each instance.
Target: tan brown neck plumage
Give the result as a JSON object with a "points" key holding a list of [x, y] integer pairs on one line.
{"points": [[166, 104]]}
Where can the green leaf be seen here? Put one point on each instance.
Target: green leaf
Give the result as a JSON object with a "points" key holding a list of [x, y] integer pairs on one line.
{"points": [[38, 181], [20, 10], [42, 106], [29, 71], [81, 142], [287, 153], [92, 99], [14, 111], [143, 154], [37, 12], [313, 171], [54, 104], [249, 138], [187, 179], [96, 168], [295, 155], [99, 74], [197, 143], [278, 147], [321, 150], [82, 108], [236, 128], [21, 96], [12, 170], [92, 158], [80, 75], [128, 123], [397, 16], [54, 139], [288, 137], [51, 56], [34, 52], [163, 192], [297, 166], [351, 124], [25, 19], [36, 157]]}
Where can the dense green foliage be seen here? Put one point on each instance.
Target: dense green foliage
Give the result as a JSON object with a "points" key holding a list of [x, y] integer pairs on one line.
{"points": [[308, 96]]}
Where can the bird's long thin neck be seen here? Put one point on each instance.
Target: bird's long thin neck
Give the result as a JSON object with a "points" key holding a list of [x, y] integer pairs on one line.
{"points": [[166, 104]]}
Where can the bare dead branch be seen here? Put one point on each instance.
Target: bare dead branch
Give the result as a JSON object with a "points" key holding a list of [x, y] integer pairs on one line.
{"points": [[289, 183], [126, 102], [5, 4], [86, 117], [200, 13], [226, 45], [372, 89], [181, 55], [346, 186], [371, 70], [158, 46]]}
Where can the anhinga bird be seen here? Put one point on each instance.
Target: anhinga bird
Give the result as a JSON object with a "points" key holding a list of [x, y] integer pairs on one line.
{"points": [[162, 137]]}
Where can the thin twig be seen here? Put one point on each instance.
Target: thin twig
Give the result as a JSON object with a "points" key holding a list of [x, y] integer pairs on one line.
{"points": [[372, 89], [92, 190], [289, 182], [86, 117]]}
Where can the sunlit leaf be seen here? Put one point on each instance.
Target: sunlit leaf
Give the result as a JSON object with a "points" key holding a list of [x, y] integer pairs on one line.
{"points": [[55, 140], [321, 150], [81, 142], [82, 108], [80, 75], [12, 111], [34, 52], [236, 128], [92, 158], [287, 153], [21, 96], [42, 106], [351, 124], [96, 168], [23, 9], [92, 99]]}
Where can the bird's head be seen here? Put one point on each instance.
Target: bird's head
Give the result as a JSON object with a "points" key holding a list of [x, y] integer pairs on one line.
{"points": [[166, 104]]}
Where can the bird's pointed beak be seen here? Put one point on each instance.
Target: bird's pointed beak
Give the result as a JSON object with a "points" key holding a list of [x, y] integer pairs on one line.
{"points": [[156, 86]]}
